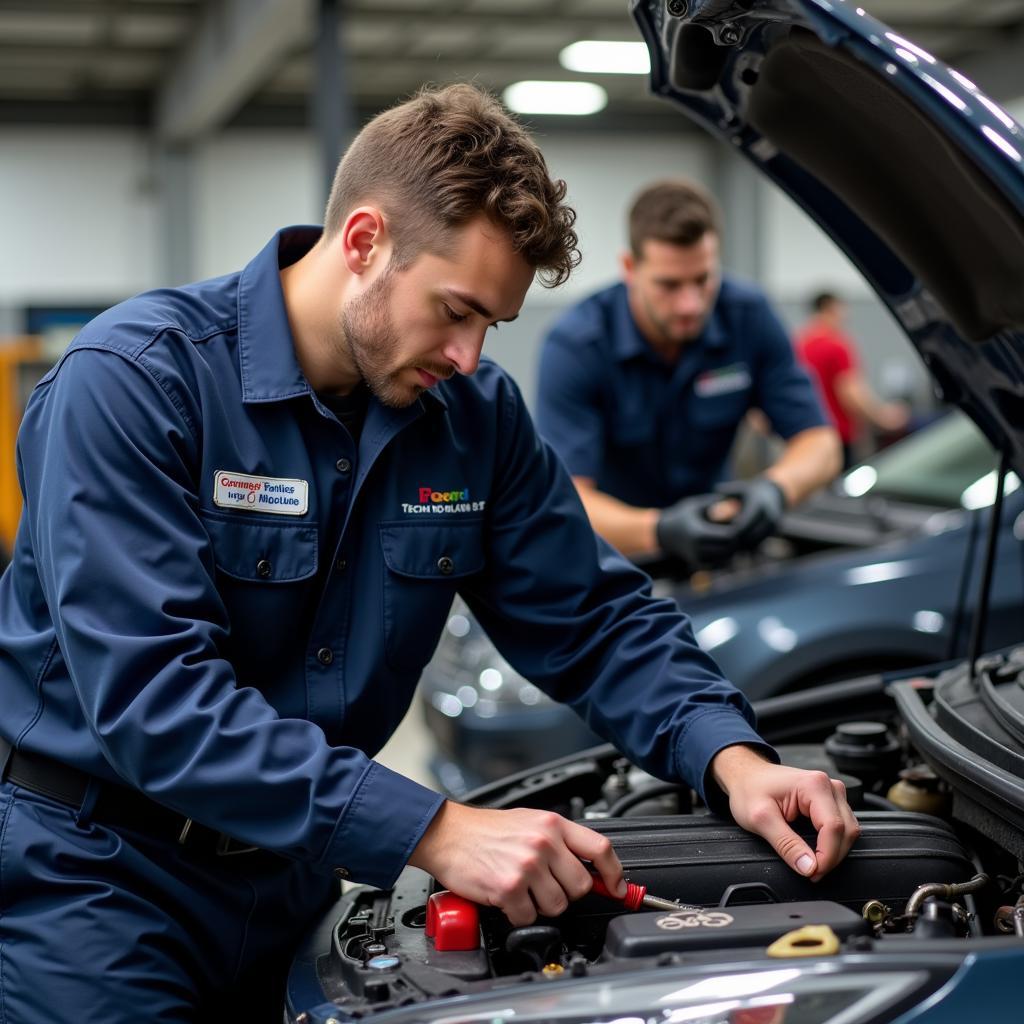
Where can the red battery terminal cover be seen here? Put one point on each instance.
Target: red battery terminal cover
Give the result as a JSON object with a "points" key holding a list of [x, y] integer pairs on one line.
{"points": [[452, 922]]}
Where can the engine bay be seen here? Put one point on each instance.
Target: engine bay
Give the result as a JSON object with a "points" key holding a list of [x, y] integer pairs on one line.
{"points": [[918, 879]]}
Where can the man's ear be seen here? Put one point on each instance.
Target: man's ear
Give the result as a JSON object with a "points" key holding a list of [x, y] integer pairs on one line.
{"points": [[365, 239], [627, 261]]}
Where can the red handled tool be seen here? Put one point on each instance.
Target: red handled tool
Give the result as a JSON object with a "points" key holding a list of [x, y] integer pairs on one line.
{"points": [[636, 897]]}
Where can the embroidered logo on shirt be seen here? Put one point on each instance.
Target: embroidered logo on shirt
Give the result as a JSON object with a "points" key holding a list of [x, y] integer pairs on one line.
{"points": [[722, 381], [430, 500], [279, 495]]}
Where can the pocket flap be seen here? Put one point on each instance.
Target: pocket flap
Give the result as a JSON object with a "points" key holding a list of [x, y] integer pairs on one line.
{"points": [[434, 551], [263, 552]]}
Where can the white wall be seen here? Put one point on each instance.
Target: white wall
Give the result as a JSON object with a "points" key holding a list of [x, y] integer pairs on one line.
{"points": [[250, 183], [82, 218], [247, 185], [797, 257], [78, 215]]}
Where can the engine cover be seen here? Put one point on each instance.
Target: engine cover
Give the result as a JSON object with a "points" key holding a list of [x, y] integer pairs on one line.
{"points": [[696, 859], [638, 935]]}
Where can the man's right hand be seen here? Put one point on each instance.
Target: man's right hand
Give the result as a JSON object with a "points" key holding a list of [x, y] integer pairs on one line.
{"points": [[522, 861], [685, 529]]}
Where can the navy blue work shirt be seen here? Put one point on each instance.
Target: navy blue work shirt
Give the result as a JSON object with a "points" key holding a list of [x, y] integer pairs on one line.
{"points": [[650, 433], [218, 598]]}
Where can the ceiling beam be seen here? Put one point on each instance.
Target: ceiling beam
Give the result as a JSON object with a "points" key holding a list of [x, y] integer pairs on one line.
{"points": [[237, 47], [96, 7]]}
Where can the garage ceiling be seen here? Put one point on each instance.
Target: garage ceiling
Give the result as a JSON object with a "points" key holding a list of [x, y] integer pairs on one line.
{"points": [[189, 66]]}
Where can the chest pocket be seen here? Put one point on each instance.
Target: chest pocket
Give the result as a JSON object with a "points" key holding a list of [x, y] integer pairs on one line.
{"points": [[716, 412], [251, 549], [263, 571], [720, 399], [423, 566]]}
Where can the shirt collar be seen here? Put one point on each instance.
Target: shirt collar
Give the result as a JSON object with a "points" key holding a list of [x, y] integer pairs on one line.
{"points": [[628, 342], [269, 367]]}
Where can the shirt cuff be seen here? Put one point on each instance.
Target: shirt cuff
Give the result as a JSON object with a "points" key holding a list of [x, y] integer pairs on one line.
{"points": [[380, 827], [707, 735]]}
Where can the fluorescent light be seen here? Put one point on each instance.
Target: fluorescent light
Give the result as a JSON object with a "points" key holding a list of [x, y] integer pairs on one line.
{"points": [[600, 57], [555, 98]]}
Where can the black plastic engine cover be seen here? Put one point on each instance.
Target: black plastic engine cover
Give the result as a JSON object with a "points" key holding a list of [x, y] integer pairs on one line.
{"points": [[648, 934], [695, 859]]}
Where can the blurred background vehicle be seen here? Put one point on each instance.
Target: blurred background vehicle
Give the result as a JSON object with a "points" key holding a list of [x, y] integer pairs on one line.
{"points": [[878, 572]]}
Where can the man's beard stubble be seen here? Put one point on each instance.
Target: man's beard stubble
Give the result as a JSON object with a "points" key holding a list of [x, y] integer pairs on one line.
{"points": [[368, 334], [369, 337]]}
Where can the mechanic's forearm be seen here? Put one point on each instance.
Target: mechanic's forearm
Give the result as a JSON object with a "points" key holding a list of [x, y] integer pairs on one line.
{"points": [[732, 763], [859, 400], [629, 529], [809, 461]]}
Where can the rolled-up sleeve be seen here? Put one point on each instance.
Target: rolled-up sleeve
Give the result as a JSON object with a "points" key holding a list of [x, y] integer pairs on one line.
{"points": [[108, 458], [579, 620]]}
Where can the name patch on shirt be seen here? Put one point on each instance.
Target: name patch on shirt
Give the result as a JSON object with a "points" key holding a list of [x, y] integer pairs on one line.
{"points": [[279, 495], [722, 381]]}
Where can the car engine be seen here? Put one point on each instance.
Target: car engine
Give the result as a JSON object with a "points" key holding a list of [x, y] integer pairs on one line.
{"points": [[920, 878]]}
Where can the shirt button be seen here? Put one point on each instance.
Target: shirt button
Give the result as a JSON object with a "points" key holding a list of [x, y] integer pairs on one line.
{"points": [[325, 655], [340, 565], [445, 565], [343, 465], [342, 873], [264, 569]]}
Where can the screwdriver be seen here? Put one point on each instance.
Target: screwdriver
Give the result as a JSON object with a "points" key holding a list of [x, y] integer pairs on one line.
{"points": [[636, 897]]}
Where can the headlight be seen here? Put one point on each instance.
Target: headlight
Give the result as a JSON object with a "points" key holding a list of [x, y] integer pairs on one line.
{"points": [[813, 994]]}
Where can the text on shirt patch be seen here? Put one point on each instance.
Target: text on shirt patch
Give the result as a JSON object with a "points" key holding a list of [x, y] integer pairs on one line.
{"points": [[722, 381], [431, 501], [278, 495]]}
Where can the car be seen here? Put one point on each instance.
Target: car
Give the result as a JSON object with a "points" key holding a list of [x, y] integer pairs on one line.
{"points": [[919, 177], [877, 572]]}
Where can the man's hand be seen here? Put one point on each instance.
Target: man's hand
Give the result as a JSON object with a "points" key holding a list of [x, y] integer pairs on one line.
{"points": [[761, 504], [685, 530], [524, 862], [765, 797]]}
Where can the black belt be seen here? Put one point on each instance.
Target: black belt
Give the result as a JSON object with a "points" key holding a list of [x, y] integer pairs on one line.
{"points": [[114, 805]]}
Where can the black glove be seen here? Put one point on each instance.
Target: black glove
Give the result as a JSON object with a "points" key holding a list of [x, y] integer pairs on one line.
{"points": [[684, 530], [762, 503]]}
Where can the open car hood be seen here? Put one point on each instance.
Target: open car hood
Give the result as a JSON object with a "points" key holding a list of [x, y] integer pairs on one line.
{"points": [[914, 173]]}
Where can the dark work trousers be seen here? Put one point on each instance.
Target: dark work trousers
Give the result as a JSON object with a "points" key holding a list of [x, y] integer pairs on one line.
{"points": [[105, 925]]}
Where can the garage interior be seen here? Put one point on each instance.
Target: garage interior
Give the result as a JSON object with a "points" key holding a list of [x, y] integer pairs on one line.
{"points": [[147, 142]]}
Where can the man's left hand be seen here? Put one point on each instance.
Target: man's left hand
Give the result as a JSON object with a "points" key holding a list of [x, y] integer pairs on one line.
{"points": [[761, 504], [765, 797]]}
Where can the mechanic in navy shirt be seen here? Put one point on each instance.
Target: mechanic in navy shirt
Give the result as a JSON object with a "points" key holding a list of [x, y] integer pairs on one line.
{"points": [[643, 385], [249, 503]]}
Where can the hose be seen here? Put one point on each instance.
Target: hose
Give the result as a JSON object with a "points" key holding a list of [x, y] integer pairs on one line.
{"points": [[624, 803], [943, 891]]}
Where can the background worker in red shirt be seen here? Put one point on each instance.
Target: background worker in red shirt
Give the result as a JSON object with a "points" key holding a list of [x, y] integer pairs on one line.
{"points": [[830, 356]]}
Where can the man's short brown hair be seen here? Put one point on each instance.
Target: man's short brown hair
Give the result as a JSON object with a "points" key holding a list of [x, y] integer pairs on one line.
{"points": [[441, 158], [679, 212]]}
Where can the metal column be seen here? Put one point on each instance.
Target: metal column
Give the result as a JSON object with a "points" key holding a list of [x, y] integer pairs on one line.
{"points": [[331, 107]]}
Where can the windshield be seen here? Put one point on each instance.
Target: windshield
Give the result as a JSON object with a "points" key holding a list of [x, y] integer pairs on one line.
{"points": [[948, 463]]}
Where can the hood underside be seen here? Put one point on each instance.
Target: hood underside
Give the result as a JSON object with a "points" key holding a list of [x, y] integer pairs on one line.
{"points": [[910, 169]]}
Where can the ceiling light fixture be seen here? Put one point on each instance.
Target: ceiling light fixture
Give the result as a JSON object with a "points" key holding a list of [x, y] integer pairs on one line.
{"points": [[574, 98], [605, 57]]}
